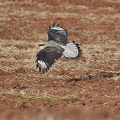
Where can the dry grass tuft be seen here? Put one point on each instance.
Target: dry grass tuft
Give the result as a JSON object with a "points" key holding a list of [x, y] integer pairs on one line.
{"points": [[45, 96]]}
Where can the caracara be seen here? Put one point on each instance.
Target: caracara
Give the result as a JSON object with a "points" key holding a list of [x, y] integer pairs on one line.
{"points": [[56, 46]]}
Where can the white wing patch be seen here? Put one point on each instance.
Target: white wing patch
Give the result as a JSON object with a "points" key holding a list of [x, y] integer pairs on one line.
{"points": [[42, 64], [56, 28]]}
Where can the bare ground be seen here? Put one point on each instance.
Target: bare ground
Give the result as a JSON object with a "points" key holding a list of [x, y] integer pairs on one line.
{"points": [[87, 87]]}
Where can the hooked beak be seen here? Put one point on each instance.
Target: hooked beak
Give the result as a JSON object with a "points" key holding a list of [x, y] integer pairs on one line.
{"points": [[41, 44]]}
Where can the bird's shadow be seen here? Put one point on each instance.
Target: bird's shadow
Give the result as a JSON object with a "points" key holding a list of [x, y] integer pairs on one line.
{"points": [[101, 74], [80, 78]]}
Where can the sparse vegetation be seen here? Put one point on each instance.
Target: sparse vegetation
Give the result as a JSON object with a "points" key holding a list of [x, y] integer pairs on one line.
{"points": [[91, 82], [48, 97]]}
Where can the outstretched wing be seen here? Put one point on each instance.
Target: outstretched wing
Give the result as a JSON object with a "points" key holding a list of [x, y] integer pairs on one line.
{"points": [[58, 34], [47, 57]]}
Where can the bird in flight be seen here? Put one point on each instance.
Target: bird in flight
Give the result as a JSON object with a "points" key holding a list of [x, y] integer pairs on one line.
{"points": [[56, 46]]}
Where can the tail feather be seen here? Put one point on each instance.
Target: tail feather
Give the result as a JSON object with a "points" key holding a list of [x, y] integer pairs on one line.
{"points": [[72, 50]]}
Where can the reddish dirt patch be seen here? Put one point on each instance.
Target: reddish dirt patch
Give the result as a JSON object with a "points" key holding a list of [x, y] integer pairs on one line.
{"points": [[94, 87]]}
